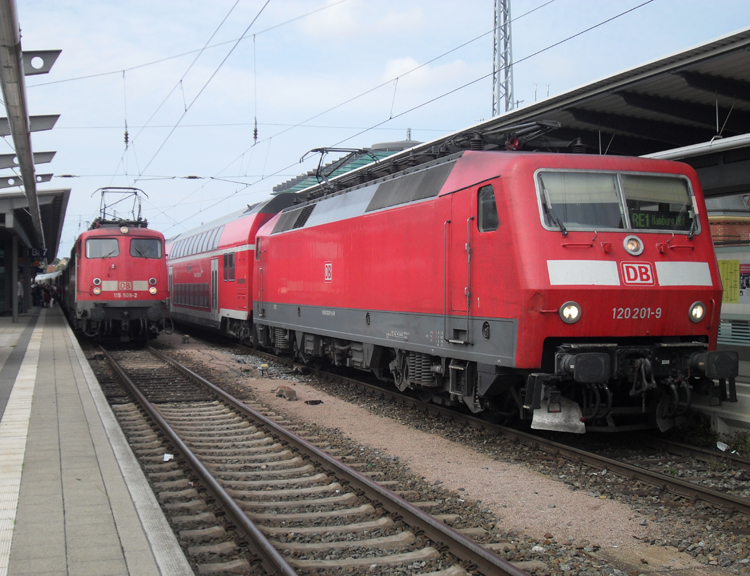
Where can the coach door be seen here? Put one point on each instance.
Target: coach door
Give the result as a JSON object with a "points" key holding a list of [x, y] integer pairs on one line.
{"points": [[458, 231], [215, 289], [260, 259], [169, 287]]}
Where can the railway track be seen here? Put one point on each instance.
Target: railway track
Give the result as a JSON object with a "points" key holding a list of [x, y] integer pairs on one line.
{"points": [[260, 499], [720, 478]]}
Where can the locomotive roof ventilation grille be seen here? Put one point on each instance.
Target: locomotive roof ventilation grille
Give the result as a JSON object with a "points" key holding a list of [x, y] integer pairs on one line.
{"points": [[409, 188], [293, 219], [304, 215]]}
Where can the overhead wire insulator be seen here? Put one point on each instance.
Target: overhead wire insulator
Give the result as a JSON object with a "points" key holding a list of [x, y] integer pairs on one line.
{"points": [[255, 132]]}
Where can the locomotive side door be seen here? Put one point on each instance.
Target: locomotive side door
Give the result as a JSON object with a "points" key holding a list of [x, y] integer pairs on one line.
{"points": [[458, 266], [215, 289]]}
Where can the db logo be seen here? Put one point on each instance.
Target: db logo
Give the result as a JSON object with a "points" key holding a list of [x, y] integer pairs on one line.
{"points": [[637, 273], [329, 271]]}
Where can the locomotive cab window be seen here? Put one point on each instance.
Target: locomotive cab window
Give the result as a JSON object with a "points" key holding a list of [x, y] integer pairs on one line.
{"points": [[145, 248], [102, 248], [657, 202], [487, 219], [599, 201], [580, 200]]}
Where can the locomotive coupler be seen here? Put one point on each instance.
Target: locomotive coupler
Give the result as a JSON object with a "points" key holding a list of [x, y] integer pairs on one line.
{"points": [[642, 368]]}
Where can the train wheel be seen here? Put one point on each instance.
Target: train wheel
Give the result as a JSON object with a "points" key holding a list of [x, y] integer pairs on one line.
{"points": [[401, 371], [500, 410]]}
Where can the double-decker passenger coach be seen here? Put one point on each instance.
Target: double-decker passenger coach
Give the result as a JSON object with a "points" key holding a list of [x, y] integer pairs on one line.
{"points": [[210, 269]]}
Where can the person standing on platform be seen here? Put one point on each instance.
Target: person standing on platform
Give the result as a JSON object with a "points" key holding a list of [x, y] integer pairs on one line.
{"points": [[20, 297]]}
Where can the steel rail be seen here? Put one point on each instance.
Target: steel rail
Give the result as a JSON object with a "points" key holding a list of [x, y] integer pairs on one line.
{"points": [[458, 544], [274, 563], [662, 481], [706, 455], [680, 487]]}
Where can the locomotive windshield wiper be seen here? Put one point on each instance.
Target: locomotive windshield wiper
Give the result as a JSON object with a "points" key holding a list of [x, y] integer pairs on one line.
{"points": [[550, 212], [110, 254], [693, 228]]}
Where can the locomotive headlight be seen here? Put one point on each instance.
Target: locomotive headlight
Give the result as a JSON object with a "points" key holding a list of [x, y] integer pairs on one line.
{"points": [[124, 229], [152, 290], [697, 311], [97, 290], [97, 281], [633, 245], [570, 312], [152, 281]]}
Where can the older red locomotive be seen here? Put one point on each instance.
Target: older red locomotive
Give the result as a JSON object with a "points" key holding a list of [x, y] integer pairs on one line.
{"points": [[115, 284], [578, 291]]}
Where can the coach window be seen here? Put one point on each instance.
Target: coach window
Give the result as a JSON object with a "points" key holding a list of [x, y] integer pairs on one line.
{"points": [[229, 267], [487, 219], [145, 247], [102, 248], [204, 239], [257, 249], [216, 238]]}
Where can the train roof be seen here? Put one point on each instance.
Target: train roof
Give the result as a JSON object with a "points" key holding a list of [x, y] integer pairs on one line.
{"points": [[447, 175], [270, 206], [117, 231]]}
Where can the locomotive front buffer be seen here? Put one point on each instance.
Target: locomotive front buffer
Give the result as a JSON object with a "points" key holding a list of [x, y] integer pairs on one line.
{"points": [[616, 387]]}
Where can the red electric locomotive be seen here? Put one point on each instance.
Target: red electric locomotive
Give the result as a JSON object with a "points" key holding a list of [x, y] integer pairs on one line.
{"points": [[210, 269], [578, 291], [115, 284]]}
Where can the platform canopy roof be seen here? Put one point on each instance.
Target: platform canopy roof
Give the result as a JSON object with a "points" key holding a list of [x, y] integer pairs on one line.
{"points": [[695, 98], [16, 219]]}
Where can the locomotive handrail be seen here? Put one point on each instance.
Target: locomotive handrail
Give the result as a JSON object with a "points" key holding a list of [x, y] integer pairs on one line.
{"points": [[445, 279], [468, 277]]}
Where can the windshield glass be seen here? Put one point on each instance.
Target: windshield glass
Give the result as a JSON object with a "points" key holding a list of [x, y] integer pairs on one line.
{"points": [[581, 200], [595, 201], [102, 248], [658, 203], [145, 247]]}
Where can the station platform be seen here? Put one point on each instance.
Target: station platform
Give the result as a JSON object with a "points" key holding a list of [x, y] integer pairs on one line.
{"points": [[73, 499]]}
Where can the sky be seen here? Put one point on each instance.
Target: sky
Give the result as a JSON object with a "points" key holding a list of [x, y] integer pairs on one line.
{"points": [[188, 79]]}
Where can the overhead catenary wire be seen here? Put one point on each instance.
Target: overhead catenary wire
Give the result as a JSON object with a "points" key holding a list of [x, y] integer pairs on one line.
{"points": [[292, 126], [205, 85], [189, 52], [439, 97], [178, 84], [365, 93]]}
